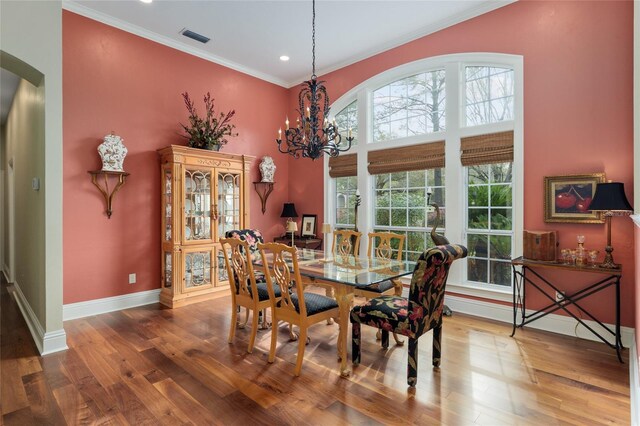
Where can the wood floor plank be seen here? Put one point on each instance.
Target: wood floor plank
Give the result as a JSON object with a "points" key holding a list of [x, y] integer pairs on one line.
{"points": [[73, 406], [151, 365], [42, 403]]}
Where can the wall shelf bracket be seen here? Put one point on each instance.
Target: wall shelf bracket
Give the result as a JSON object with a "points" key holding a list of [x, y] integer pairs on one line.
{"points": [[103, 185], [263, 189]]}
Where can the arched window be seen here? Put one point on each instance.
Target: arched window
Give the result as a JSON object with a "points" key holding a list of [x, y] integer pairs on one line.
{"points": [[450, 126]]}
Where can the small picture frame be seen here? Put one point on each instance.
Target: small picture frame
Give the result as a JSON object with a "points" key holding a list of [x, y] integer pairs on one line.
{"points": [[308, 225], [567, 198]]}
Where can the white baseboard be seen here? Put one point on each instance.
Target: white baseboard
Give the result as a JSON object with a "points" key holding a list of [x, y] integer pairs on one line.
{"points": [[555, 323], [47, 342], [634, 383], [109, 304]]}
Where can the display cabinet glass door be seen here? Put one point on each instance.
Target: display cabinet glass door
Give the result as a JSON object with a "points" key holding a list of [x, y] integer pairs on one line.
{"points": [[198, 268], [229, 209], [221, 270], [197, 206], [167, 202]]}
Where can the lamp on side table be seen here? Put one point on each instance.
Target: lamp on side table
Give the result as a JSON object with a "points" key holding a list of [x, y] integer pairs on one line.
{"points": [[610, 199]]}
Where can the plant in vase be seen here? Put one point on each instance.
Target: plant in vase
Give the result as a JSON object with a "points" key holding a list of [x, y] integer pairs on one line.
{"points": [[211, 131]]}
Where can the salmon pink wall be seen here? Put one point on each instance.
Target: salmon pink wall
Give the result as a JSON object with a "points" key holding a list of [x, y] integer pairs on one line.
{"points": [[578, 108], [115, 81]]}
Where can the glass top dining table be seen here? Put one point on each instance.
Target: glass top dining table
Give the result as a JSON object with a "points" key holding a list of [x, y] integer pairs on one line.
{"points": [[343, 273], [348, 270]]}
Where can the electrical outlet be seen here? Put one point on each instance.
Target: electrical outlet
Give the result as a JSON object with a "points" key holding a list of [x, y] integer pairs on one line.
{"points": [[132, 278], [559, 296]]}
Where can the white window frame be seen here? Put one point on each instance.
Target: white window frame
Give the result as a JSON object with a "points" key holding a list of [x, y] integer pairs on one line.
{"points": [[454, 172]]}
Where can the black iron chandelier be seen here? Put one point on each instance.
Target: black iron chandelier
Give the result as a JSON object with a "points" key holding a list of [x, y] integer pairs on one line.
{"points": [[314, 134]]}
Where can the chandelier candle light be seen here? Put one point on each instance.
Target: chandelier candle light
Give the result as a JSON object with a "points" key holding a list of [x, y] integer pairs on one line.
{"points": [[314, 133]]}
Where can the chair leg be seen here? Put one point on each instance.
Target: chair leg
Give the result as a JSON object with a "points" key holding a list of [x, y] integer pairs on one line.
{"points": [[232, 327], [385, 339], [302, 342], [254, 330], [355, 343], [412, 362], [397, 339], [246, 319], [274, 338], [437, 345]]}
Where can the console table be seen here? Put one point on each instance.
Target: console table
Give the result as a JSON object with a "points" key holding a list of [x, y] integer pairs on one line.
{"points": [[523, 269], [308, 243]]}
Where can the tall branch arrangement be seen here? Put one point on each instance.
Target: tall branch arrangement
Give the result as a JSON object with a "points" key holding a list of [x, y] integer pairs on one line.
{"points": [[212, 130]]}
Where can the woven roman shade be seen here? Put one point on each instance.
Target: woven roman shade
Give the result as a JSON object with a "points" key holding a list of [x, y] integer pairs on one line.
{"points": [[343, 166], [407, 158], [485, 149]]}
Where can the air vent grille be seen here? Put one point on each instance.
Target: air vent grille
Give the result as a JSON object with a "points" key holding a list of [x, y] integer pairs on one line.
{"points": [[195, 36]]}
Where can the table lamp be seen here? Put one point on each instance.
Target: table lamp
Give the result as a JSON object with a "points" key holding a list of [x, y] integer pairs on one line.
{"points": [[293, 228], [610, 199], [289, 211], [326, 229]]}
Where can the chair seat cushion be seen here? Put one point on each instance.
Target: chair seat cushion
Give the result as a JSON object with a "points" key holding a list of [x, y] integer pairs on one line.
{"points": [[315, 303], [389, 313], [377, 288], [263, 293]]}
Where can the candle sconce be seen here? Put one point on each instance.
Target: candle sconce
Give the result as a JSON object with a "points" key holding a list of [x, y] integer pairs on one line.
{"points": [[103, 185]]}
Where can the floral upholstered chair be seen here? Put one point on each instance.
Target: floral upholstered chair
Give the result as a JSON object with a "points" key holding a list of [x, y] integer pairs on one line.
{"points": [[251, 236], [414, 316]]}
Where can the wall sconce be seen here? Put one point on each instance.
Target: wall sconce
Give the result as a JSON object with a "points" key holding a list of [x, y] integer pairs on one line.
{"points": [[112, 153]]}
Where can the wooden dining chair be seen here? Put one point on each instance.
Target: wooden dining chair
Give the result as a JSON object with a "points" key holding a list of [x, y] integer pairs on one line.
{"points": [[346, 242], [295, 306], [414, 316], [381, 246], [245, 290]]}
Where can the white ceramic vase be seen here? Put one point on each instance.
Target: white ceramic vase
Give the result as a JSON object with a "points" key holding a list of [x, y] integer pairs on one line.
{"points": [[267, 169], [112, 152]]}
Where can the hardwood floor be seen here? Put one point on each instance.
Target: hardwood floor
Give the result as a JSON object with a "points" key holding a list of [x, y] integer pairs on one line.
{"points": [[150, 365]]}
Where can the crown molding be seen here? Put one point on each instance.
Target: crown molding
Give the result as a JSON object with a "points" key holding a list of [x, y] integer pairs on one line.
{"points": [[79, 9]]}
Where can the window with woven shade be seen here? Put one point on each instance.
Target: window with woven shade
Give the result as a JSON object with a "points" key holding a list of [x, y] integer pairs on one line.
{"points": [[489, 162], [344, 170], [451, 126], [402, 178]]}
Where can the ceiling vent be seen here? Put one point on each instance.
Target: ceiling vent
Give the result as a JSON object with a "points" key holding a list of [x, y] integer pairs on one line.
{"points": [[195, 36]]}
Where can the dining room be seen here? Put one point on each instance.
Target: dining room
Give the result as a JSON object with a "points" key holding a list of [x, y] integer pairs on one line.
{"points": [[408, 217]]}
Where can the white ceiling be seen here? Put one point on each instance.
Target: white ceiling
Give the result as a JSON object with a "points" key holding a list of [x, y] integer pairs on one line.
{"points": [[250, 36]]}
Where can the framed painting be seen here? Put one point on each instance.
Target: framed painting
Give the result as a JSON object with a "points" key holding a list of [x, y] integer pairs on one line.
{"points": [[567, 198], [308, 225]]}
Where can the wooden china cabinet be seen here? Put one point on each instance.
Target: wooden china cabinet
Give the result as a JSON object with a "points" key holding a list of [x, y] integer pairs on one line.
{"points": [[204, 195]]}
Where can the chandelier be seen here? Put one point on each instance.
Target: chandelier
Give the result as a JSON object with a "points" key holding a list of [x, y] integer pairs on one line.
{"points": [[314, 134]]}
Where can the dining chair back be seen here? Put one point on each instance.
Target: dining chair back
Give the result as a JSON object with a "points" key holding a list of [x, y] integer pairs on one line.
{"points": [[245, 290], [414, 316], [382, 245], [346, 242], [295, 306]]}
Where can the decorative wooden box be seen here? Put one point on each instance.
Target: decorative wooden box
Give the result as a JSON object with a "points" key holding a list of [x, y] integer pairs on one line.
{"points": [[540, 245]]}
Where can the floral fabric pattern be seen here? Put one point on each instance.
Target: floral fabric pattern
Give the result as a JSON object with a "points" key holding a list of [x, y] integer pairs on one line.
{"points": [[414, 316]]}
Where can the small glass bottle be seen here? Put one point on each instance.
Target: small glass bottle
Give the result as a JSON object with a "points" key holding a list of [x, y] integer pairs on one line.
{"points": [[581, 254]]}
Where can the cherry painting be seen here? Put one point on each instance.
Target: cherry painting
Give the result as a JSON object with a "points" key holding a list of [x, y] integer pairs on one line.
{"points": [[568, 198]]}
